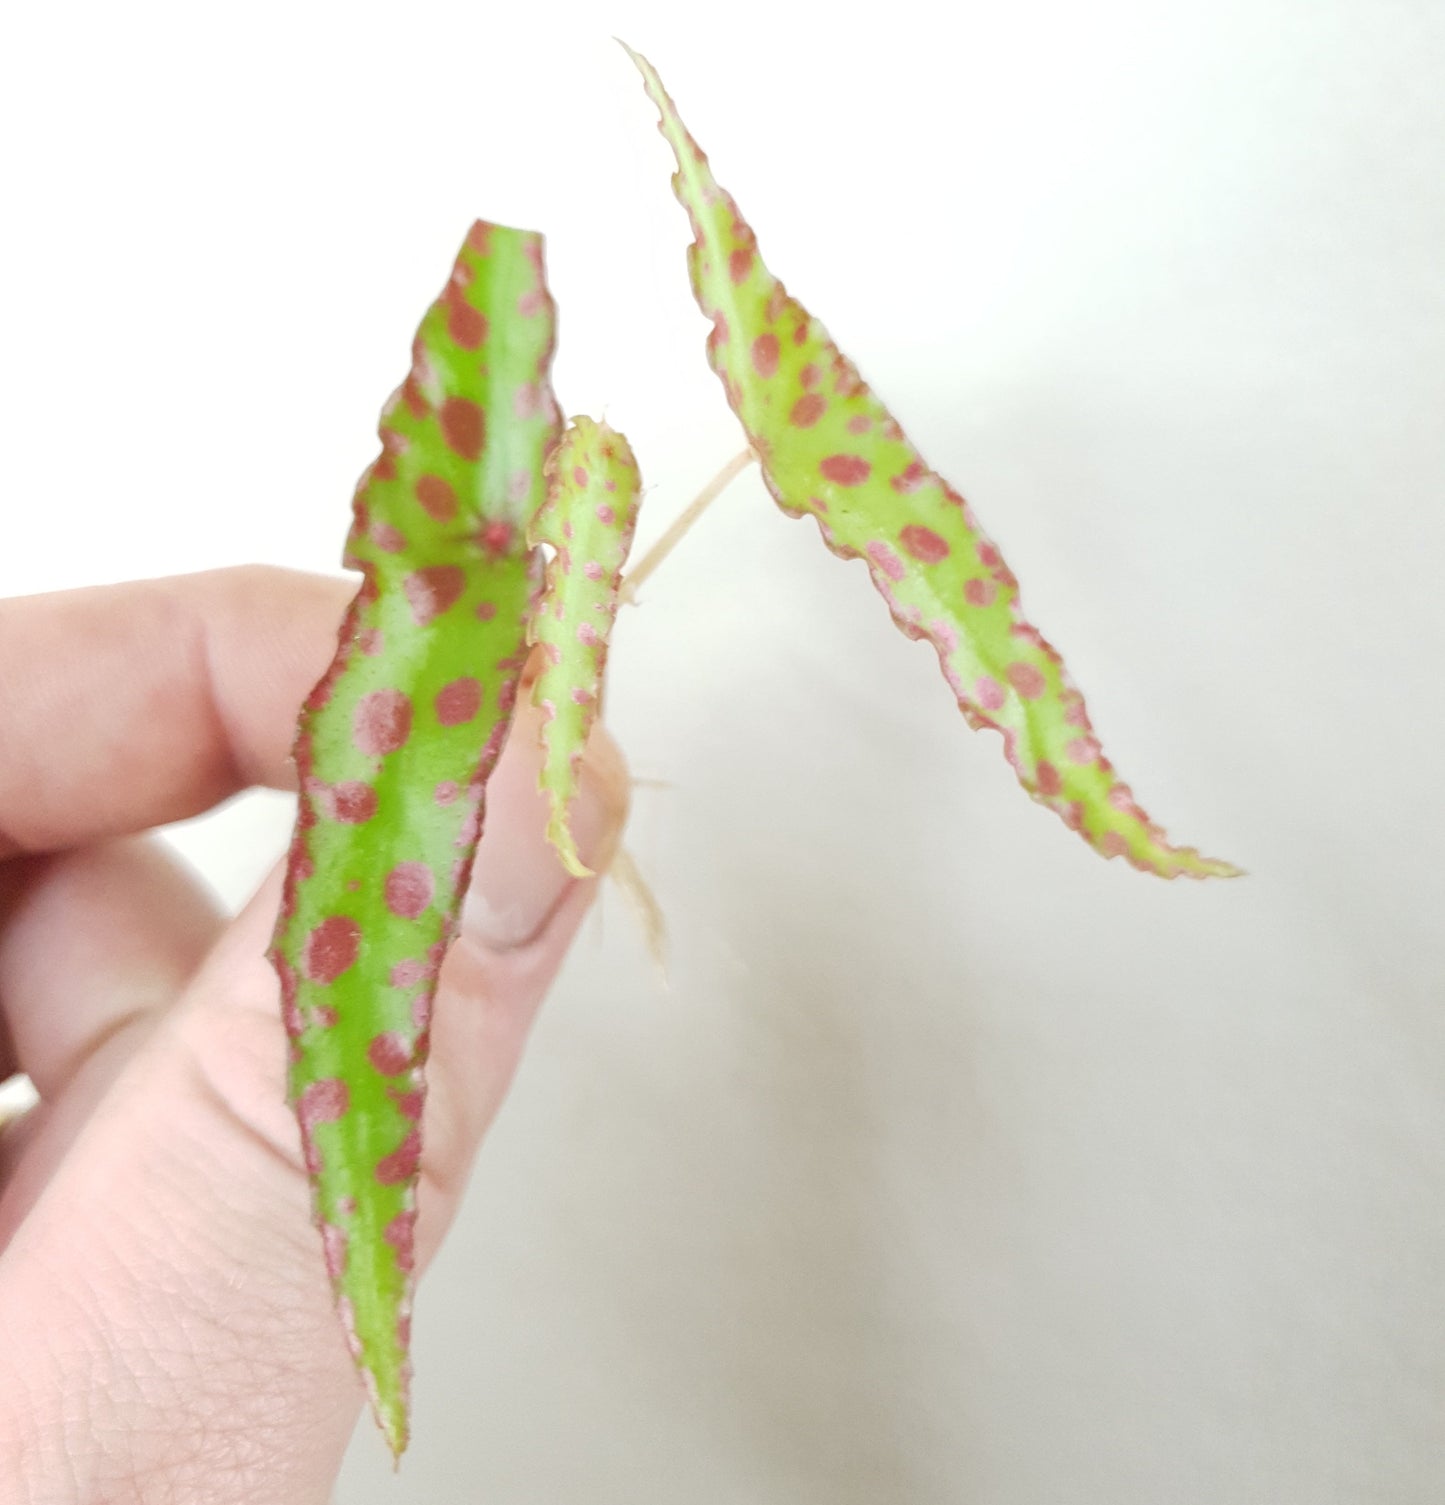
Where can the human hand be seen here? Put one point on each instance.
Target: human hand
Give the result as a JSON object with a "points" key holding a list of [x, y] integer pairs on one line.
{"points": [[168, 1328]]}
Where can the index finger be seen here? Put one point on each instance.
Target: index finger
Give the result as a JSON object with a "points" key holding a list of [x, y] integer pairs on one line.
{"points": [[123, 707]]}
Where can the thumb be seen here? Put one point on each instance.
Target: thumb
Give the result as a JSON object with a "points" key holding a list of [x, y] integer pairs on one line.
{"points": [[169, 1324]]}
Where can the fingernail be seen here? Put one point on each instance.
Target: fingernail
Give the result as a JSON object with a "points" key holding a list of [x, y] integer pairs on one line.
{"points": [[518, 882]]}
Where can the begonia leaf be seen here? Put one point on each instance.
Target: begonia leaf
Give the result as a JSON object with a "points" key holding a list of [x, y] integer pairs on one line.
{"points": [[829, 449], [591, 512], [393, 752]]}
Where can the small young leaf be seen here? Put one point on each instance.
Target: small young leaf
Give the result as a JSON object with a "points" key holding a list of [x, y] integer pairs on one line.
{"points": [[590, 514], [829, 448], [394, 748]]}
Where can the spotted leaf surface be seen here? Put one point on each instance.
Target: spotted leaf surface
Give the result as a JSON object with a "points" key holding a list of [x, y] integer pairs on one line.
{"points": [[394, 750], [829, 448], [591, 511]]}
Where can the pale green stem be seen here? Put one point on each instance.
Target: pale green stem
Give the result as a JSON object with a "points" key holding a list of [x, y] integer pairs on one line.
{"points": [[632, 583]]}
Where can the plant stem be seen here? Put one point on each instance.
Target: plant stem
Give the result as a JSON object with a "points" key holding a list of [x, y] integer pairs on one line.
{"points": [[664, 546]]}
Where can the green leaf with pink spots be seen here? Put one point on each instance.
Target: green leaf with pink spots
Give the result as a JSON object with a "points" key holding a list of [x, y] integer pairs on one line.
{"points": [[593, 496], [394, 748], [830, 449]]}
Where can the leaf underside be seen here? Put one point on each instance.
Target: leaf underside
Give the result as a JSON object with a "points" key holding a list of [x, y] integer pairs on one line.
{"points": [[591, 512], [829, 449], [393, 752]]}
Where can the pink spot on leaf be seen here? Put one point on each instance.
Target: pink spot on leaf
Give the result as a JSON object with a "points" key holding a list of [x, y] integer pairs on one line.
{"points": [[399, 1234], [401, 1165], [408, 1104], [409, 889], [389, 1053], [910, 478], [808, 409], [1026, 679], [923, 543], [990, 693], [463, 427], [413, 396], [432, 590], [437, 497], [846, 470], [886, 560], [320, 1103], [980, 592], [352, 802], [323, 1102], [1048, 778], [331, 948], [765, 354], [458, 702], [407, 974], [465, 324], [382, 722]]}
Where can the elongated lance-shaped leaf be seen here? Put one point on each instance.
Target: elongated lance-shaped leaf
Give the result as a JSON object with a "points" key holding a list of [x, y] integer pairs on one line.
{"points": [[830, 449], [591, 511], [394, 749]]}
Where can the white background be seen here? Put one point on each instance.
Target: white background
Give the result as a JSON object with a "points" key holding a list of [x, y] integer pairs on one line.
{"points": [[957, 1165]]}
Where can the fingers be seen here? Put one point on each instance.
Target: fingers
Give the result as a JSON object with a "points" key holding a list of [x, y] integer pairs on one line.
{"points": [[128, 706], [94, 941], [95, 944], [174, 1252]]}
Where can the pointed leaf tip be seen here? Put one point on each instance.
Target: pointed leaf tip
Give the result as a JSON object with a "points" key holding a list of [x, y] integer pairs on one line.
{"points": [[831, 450]]}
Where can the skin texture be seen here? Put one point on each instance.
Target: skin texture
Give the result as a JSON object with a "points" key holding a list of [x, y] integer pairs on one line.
{"points": [[593, 496], [395, 747], [169, 1328], [829, 449]]}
